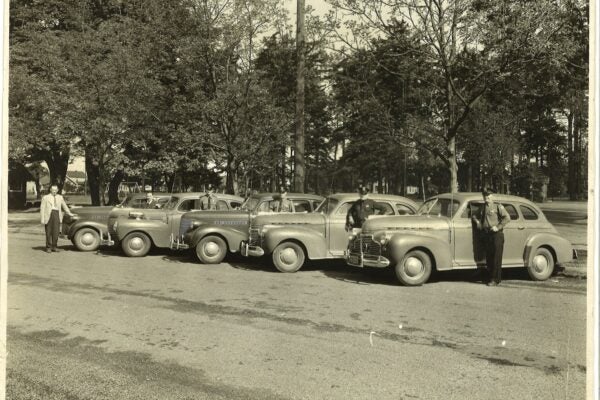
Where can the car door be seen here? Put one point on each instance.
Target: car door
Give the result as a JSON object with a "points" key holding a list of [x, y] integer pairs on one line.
{"points": [[468, 243], [187, 204], [514, 236], [338, 237]]}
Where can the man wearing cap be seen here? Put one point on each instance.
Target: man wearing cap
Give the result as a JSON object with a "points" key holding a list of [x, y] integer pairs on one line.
{"points": [[360, 210], [491, 221], [51, 210], [209, 200], [282, 203]]}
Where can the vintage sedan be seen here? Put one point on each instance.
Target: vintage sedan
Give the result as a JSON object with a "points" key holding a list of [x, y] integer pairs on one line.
{"points": [[87, 229], [290, 239], [215, 234], [443, 237], [140, 230]]}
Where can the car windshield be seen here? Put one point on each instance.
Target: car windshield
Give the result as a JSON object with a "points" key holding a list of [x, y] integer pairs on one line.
{"points": [[327, 206], [250, 204], [438, 207], [170, 205]]}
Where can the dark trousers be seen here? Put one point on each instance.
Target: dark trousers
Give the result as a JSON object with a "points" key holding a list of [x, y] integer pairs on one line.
{"points": [[494, 245], [52, 230]]}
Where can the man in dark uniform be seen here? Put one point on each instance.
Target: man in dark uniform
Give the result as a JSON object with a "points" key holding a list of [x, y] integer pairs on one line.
{"points": [[209, 200], [283, 204], [360, 210], [491, 221]]}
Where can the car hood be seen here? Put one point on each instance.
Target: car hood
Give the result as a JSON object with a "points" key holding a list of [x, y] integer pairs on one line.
{"points": [[94, 210], [288, 219], [405, 222], [214, 215]]}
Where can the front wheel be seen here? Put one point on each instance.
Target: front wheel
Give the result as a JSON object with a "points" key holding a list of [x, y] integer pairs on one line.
{"points": [[86, 239], [136, 244], [288, 257], [414, 269], [541, 265], [211, 250]]}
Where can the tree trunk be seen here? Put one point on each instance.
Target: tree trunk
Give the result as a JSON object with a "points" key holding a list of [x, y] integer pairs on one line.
{"points": [[93, 175], [113, 186], [231, 180], [570, 157], [577, 155], [452, 165], [58, 161], [299, 162]]}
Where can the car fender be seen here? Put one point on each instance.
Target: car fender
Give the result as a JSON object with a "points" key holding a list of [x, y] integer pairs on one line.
{"points": [[314, 242], [562, 248], [232, 236], [100, 227], [148, 226], [401, 243]]}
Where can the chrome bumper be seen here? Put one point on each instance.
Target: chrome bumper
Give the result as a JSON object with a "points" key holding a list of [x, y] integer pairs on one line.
{"points": [[106, 241], [359, 260], [251, 251], [178, 243]]}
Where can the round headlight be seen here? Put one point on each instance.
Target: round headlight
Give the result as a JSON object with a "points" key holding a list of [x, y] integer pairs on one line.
{"points": [[195, 224]]}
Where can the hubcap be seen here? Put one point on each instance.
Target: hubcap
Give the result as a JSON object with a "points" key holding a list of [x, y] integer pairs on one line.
{"points": [[413, 266], [288, 256], [88, 239], [211, 249], [136, 243], [540, 263]]}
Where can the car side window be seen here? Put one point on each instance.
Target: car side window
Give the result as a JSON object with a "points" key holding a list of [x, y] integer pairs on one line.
{"points": [[315, 204], [264, 206], [382, 208], [187, 205], [511, 210], [235, 204], [301, 206], [343, 209], [528, 213], [404, 209], [222, 205], [472, 209]]}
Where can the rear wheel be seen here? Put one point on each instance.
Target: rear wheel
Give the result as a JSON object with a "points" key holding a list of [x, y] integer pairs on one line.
{"points": [[288, 257], [541, 265], [86, 239], [136, 244], [211, 250], [414, 269]]}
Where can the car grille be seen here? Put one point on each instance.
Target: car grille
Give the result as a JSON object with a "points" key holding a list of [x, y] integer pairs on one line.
{"points": [[254, 239], [366, 245], [111, 229], [184, 225]]}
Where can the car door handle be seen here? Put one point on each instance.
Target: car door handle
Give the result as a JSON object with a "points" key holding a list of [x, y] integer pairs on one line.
{"points": [[521, 228]]}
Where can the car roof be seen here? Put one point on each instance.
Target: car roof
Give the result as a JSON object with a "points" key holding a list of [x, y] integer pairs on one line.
{"points": [[309, 196], [142, 195], [372, 196], [474, 196], [200, 194]]}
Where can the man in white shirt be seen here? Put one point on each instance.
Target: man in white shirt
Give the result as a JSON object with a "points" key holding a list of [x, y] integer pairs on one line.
{"points": [[51, 211]]}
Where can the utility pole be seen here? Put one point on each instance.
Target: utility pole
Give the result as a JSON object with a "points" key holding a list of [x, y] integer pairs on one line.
{"points": [[299, 164]]}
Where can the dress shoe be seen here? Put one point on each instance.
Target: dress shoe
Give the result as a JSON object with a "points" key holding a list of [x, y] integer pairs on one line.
{"points": [[55, 250], [48, 251], [492, 283]]}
